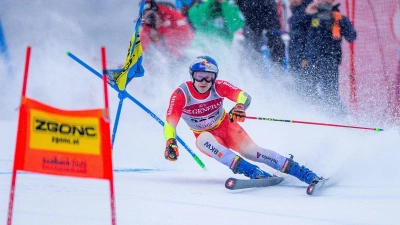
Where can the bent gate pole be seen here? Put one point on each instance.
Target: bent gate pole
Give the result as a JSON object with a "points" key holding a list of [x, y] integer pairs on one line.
{"points": [[124, 94]]}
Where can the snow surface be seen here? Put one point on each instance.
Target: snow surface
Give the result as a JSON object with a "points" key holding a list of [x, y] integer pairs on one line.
{"points": [[363, 166]]}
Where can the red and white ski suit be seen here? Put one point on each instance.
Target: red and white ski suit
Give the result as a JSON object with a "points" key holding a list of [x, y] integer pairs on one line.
{"points": [[206, 117]]}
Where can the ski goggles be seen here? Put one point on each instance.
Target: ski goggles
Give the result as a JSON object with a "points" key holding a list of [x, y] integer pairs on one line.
{"points": [[200, 76]]}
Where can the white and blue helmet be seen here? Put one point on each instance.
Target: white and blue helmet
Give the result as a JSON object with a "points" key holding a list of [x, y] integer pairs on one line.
{"points": [[205, 64]]}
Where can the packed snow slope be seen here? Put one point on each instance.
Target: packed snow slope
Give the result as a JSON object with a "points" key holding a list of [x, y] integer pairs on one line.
{"points": [[362, 165]]}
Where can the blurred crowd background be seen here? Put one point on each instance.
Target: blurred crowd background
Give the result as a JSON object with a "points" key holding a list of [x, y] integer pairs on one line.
{"points": [[340, 57]]}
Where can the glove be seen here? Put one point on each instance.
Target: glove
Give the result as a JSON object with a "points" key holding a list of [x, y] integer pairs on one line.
{"points": [[171, 150], [237, 113]]}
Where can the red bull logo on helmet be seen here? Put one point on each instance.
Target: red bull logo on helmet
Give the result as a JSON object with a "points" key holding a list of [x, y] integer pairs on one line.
{"points": [[207, 65]]}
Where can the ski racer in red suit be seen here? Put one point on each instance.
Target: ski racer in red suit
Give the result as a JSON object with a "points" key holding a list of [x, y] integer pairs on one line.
{"points": [[165, 28], [199, 103]]}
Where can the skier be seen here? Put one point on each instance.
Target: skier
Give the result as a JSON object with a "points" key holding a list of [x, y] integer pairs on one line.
{"points": [[200, 103]]}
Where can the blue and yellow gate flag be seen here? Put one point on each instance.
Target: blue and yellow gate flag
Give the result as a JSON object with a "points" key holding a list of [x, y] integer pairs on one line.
{"points": [[133, 62]]}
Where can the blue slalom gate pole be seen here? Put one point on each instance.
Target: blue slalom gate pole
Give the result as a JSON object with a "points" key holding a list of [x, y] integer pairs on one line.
{"points": [[124, 94], [121, 101], [286, 38], [113, 86], [4, 51], [265, 54]]}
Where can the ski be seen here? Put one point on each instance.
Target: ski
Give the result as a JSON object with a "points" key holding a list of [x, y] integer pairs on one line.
{"points": [[236, 184], [314, 187]]}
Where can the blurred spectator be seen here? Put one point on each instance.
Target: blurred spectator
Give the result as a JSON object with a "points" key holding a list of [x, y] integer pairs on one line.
{"points": [[298, 25], [216, 19], [165, 29], [323, 51], [185, 5], [260, 16]]}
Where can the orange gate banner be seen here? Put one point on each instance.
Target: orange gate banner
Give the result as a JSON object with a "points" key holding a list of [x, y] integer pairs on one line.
{"points": [[74, 143], [60, 142]]}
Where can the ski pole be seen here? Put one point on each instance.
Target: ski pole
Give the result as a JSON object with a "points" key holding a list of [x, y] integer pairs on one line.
{"points": [[313, 123], [125, 94]]}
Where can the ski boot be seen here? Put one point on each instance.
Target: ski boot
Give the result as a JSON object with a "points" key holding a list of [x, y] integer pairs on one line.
{"points": [[240, 166], [301, 172]]}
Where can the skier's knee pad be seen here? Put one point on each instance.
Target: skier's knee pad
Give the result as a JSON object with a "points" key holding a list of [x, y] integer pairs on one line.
{"points": [[201, 140], [204, 137], [209, 145], [248, 151]]}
